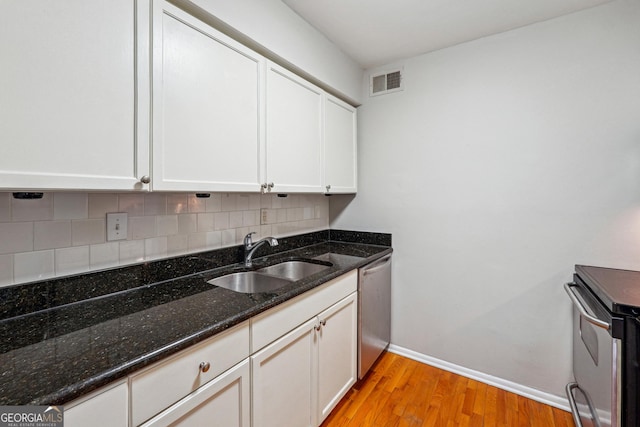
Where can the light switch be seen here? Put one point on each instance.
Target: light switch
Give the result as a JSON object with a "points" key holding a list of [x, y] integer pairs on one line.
{"points": [[116, 226]]}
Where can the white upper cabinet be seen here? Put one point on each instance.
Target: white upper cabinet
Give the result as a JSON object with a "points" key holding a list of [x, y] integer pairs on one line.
{"points": [[340, 147], [207, 116], [140, 95], [68, 80], [294, 133]]}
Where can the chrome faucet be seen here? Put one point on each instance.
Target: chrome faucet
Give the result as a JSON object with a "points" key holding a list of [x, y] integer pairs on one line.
{"points": [[250, 247]]}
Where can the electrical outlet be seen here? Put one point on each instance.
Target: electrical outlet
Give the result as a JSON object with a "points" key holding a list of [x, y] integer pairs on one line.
{"points": [[116, 226], [267, 216]]}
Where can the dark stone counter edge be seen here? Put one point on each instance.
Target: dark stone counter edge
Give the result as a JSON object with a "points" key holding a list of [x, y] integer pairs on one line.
{"points": [[74, 391], [77, 390], [362, 237], [23, 299]]}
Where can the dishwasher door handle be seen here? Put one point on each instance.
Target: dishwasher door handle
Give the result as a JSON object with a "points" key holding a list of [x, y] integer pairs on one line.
{"points": [[583, 311], [377, 265]]}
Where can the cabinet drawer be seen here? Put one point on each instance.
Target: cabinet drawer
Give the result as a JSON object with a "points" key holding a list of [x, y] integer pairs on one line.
{"points": [[221, 402], [166, 382], [107, 407], [274, 323]]}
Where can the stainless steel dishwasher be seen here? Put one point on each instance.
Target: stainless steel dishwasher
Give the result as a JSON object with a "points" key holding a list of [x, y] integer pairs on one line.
{"points": [[374, 312]]}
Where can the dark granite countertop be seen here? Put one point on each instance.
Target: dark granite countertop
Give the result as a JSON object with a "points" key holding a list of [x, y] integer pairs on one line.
{"points": [[63, 338]]}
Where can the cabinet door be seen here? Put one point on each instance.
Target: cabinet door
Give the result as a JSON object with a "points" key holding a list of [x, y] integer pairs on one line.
{"points": [[294, 133], [223, 402], [340, 147], [337, 353], [283, 388], [108, 407], [206, 107], [68, 102]]}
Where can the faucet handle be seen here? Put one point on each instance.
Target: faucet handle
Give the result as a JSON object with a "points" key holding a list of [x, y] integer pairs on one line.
{"points": [[247, 239]]}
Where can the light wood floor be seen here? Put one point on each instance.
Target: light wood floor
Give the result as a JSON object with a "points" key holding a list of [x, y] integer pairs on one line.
{"points": [[402, 392]]}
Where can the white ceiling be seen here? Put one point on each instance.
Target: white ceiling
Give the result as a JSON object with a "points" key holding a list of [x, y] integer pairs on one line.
{"points": [[376, 32]]}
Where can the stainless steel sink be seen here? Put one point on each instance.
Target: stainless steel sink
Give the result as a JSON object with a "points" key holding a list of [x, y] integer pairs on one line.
{"points": [[249, 282], [334, 258], [293, 270]]}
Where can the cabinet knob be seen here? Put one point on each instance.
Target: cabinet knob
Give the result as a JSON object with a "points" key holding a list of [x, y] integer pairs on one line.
{"points": [[320, 325], [204, 366], [270, 186], [328, 188], [145, 179]]}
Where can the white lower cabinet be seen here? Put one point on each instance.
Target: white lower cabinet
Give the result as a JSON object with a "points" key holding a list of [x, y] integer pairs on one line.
{"points": [[223, 402], [283, 384], [337, 353], [288, 366], [299, 378], [107, 407]]}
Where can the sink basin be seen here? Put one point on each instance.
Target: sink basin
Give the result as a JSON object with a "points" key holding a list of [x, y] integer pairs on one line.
{"points": [[293, 270], [249, 282], [338, 258]]}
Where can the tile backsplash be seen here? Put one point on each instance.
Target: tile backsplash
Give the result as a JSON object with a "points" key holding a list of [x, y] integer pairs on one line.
{"points": [[65, 233]]}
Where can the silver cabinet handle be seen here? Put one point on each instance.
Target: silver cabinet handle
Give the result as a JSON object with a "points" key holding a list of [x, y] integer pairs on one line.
{"points": [[583, 311], [328, 187], [270, 186], [322, 323], [204, 366], [145, 179]]}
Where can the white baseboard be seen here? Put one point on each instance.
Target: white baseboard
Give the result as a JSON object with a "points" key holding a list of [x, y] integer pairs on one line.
{"points": [[531, 393]]}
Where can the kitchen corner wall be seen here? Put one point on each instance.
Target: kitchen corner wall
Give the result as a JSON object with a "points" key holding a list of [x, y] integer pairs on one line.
{"points": [[504, 162], [65, 233]]}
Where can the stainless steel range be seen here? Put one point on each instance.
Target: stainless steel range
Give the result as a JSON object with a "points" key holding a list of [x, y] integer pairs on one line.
{"points": [[606, 347]]}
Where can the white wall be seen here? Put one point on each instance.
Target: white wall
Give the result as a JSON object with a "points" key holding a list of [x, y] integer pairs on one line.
{"points": [[276, 27], [504, 162]]}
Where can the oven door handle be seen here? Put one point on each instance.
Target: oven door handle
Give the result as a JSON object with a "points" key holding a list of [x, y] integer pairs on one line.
{"points": [[575, 412], [583, 311], [572, 403]]}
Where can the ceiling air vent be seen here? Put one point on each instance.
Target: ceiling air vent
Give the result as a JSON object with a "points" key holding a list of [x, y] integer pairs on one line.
{"points": [[387, 82]]}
